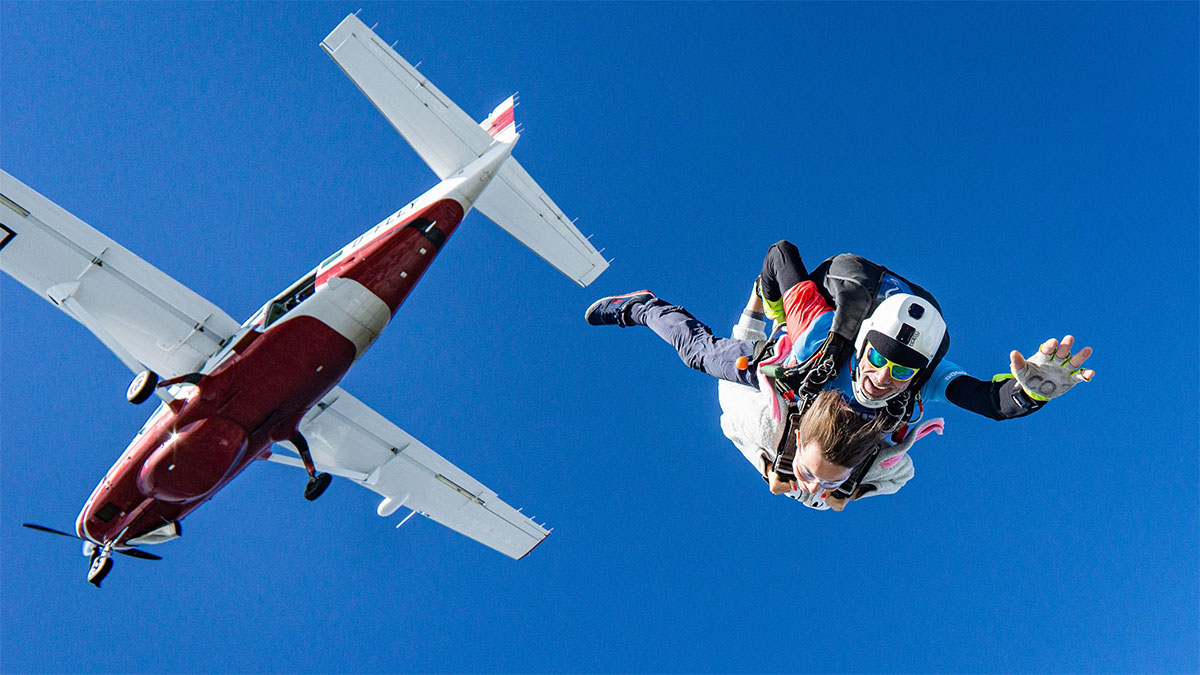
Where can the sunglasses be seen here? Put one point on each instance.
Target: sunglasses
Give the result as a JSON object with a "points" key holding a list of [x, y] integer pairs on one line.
{"points": [[899, 373], [807, 476]]}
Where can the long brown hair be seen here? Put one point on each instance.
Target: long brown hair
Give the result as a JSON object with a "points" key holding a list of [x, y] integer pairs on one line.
{"points": [[843, 436]]}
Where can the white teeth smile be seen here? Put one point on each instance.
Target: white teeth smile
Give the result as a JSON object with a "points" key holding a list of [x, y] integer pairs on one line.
{"points": [[873, 389]]}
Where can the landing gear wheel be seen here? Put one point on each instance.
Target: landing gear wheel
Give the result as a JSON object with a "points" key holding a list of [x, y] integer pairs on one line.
{"points": [[316, 486], [142, 387], [101, 566]]}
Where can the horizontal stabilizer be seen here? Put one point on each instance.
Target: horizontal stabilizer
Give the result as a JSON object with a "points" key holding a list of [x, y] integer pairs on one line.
{"points": [[448, 140], [515, 202]]}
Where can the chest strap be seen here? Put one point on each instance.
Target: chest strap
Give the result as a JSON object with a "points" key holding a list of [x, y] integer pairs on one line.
{"points": [[799, 386]]}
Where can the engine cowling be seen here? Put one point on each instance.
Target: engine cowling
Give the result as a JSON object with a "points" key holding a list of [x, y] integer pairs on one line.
{"points": [[192, 461]]}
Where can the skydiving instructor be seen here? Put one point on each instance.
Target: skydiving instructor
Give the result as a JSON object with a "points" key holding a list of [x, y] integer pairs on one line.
{"points": [[855, 327]]}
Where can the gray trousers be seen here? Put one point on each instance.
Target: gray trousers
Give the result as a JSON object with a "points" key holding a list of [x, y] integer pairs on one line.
{"points": [[695, 342]]}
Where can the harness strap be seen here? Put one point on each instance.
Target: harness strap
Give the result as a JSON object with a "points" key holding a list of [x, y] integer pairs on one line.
{"points": [[799, 386], [847, 489], [785, 452]]}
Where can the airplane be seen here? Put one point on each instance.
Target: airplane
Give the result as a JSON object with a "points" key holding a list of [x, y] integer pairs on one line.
{"points": [[231, 392]]}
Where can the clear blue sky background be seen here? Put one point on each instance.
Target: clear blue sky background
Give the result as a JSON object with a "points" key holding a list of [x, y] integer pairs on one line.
{"points": [[1035, 165]]}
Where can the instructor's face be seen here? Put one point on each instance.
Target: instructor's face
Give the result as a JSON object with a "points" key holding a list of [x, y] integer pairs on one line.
{"points": [[877, 383]]}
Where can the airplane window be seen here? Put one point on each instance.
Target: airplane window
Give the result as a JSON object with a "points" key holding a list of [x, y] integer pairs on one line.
{"points": [[328, 261], [108, 512], [290, 299]]}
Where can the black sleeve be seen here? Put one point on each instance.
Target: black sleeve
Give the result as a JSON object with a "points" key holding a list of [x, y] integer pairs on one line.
{"points": [[851, 282], [997, 400]]}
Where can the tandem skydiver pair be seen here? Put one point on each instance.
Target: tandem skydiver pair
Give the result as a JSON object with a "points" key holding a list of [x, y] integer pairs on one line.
{"points": [[827, 406]]}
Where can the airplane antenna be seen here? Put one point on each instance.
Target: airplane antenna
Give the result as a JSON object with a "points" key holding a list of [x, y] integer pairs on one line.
{"points": [[376, 24], [418, 65], [357, 11], [406, 518], [394, 44]]}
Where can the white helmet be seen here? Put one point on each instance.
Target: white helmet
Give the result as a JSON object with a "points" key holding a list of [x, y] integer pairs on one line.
{"points": [[905, 329]]}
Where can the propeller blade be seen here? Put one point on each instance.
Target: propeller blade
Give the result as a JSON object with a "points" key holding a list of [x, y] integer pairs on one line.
{"points": [[51, 530], [135, 553], [131, 552]]}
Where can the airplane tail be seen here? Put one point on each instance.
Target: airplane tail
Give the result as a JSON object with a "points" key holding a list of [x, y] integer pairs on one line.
{"points": [[502, 123], [449, 140]]}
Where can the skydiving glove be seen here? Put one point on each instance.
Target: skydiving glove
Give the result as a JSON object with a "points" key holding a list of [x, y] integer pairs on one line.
{"points": [[831, 355], [1046, 376], [836, 350]]}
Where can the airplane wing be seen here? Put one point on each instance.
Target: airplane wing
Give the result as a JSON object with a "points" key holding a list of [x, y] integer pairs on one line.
{"points": [[349, 439], [145, 317]]}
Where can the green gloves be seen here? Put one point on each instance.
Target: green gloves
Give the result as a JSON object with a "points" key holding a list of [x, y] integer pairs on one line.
{"points": [[1046, 376]]}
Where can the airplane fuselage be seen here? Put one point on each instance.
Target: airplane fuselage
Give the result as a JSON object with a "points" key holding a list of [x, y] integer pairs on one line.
{"points": [[279, 366], [231, 392]]}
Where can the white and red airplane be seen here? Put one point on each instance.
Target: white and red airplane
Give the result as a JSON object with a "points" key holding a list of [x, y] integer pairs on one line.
{"points": [[229, 391]]}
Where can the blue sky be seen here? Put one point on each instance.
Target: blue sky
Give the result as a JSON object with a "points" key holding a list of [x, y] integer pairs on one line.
{"points": [[1034, 165]]}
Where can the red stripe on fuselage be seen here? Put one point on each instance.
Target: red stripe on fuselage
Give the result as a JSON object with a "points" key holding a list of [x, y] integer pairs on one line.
{"points": [[263, 391]]}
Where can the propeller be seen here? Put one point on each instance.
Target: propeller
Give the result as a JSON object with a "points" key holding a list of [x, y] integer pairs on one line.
{"points": [[131, 552], [138, 553]]}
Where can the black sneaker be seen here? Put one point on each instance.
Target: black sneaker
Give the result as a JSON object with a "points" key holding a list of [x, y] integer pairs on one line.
{"points": [[611, 311]]}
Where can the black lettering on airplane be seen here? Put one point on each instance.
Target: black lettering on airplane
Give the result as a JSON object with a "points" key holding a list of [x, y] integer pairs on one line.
{"points": [[9, 235]]}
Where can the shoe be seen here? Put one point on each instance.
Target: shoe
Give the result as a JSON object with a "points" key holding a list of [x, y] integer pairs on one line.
{"points": [[612, 311]]}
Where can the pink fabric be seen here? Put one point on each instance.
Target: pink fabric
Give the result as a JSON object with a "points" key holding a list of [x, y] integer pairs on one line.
{"points": [[783, 347], [937, 425]]}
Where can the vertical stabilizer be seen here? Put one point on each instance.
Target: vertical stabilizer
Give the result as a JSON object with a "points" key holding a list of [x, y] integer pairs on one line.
{"points": [[502, 123]]}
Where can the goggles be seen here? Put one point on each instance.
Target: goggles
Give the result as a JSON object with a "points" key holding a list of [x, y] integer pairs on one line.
{"points": [[807, 476], [898, 372]]}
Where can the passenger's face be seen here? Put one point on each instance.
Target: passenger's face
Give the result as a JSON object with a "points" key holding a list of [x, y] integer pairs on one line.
{"points": [[812, 469]]}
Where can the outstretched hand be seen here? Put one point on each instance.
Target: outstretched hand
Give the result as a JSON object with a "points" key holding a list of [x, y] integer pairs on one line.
{"points": [[836, 503], [779, 486], [1052, 370]]}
